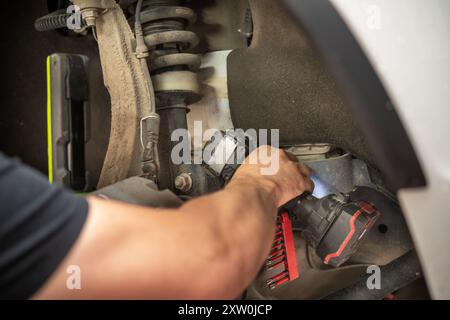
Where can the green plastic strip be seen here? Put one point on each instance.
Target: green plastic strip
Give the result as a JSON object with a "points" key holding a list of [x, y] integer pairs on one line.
{"points": [[49, 124]]}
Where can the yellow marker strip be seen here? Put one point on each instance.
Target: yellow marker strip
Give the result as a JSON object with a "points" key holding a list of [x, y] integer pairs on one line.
{"points": [[49, 124]]}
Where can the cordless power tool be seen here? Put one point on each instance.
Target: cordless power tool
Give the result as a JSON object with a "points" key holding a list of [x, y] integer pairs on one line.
{"points": [[333, 225]]}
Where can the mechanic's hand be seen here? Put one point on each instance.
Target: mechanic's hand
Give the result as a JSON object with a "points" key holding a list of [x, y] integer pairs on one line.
{"points": [[277, 170]]}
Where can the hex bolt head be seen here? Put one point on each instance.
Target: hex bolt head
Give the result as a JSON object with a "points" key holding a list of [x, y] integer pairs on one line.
{"points": [[183, 182], [90, 16]]}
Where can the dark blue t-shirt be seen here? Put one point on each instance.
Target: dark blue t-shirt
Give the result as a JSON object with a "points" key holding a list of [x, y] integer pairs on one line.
{"points": [[39, 224]]}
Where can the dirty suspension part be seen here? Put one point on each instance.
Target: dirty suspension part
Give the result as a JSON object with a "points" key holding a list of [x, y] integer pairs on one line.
{"points": [[173, 74], [129, 89]]}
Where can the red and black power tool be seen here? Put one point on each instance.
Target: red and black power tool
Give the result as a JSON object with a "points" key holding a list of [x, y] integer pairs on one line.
{"points": [[333, 225]]}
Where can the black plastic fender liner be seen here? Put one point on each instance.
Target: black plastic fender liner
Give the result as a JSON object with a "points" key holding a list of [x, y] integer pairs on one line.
{"points": [[362, 90], [280, 82]]}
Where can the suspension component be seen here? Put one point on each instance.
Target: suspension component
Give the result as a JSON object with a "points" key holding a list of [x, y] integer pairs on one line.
{"points": [[173, 73], [133, 129]]}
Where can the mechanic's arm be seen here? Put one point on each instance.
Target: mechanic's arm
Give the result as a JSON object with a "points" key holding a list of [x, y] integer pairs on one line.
{"points": [[210, 248]]}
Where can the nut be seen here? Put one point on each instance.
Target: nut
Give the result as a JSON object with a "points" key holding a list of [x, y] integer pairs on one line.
{"points": [[183, 182]]}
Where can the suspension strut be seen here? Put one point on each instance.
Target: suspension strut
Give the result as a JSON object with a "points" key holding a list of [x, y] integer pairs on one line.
{"points": [[173, 73]]}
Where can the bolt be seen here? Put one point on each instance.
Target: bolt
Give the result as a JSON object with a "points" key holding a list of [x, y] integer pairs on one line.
{"points": [[183, 182], [90, 16]]}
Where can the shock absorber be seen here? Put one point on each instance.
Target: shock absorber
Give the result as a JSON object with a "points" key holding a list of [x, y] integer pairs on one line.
{"points": [[173, 73]]}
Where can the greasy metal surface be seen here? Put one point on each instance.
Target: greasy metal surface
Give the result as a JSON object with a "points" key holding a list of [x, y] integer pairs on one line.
{"points": [[130, 97]]}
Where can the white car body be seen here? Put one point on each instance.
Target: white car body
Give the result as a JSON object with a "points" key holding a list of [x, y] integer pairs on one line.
{"points": [[408, 44]]}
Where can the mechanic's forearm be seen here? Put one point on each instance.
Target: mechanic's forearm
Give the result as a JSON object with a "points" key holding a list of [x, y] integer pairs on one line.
{"points": [[209, 248], [244, 216]]}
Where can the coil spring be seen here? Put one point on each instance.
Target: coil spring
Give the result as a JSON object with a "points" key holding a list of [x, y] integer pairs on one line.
{"points": [[52, 21], [174, 73]]}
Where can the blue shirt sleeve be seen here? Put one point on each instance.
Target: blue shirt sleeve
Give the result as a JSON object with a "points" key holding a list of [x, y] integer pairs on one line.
{"points": [[39, 224]]}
